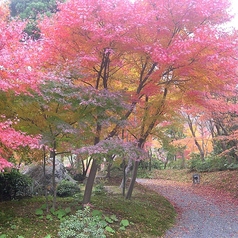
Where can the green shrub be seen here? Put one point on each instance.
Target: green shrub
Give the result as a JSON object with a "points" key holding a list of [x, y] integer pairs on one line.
{"points": [[82, 225], [14, 185], [209, 164], [67, 189], [155, 164], [218, 163], [232, 166], [197, 164], [176, 164], [99, 188]]}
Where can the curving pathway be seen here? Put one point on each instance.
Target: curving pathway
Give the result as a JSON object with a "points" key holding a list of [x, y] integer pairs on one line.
{"points": [[202, 211]]}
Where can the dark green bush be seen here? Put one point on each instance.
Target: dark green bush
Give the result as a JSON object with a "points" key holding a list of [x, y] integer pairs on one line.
{"points": [[209, 164], [67, 189], [232, 166], [218, 163], [176, 164], [14, 185], [155, 164], [79, 177], [99, 188], [197, 164]]}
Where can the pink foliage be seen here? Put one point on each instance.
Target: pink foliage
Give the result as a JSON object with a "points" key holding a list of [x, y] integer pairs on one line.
{"points": [[114, 146], [180, 35], [19, 59], [4, 164], [18, 72], [12, 139]]}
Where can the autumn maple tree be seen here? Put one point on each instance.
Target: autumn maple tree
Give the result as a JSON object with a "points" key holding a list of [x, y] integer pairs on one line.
{"points": [[153, 51], [15, 74], [213, 123], [156, 56]]}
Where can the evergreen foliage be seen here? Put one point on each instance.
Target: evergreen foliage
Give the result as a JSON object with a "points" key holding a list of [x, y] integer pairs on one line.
{"points": [[14, 185], [67, 189], [31, 10], [209, 164]]}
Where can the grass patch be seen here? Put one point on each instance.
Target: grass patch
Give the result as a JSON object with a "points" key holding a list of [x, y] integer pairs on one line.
{"points": [[149, 215], [18, 218], [222, 180]]}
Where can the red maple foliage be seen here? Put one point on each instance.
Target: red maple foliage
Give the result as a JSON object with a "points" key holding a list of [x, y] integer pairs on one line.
{"points": [[16, 73]]}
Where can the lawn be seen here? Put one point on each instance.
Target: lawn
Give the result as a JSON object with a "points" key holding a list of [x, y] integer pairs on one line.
{"points": [[149, 215], [222, 180]]}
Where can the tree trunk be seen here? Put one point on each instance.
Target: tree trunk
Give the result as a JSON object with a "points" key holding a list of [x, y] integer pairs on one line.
{"points": [[150, 159], [143, 136], [123, 183], [109, 170], [45, 185], [133, 180], [85, 166], [166, 162], [90, 182], [190, 124], [93, 171], [126, 172], [53, 174], [110, 163]]}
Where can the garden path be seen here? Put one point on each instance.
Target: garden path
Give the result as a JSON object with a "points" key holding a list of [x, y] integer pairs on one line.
{"points": [[203, 212]]}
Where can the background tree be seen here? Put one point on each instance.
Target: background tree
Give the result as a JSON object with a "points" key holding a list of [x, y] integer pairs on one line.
{"points": [[32, 10], [15, 74]]}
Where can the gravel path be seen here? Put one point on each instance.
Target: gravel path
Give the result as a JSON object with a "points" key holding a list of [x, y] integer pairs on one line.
{"points": [[202, 212]]}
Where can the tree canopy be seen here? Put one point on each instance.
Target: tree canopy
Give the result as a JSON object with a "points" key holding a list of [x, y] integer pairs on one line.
{"points": [[159, 58]]}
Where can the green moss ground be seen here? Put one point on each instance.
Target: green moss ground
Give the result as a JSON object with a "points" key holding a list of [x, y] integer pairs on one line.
{"points": [[149, 214]]}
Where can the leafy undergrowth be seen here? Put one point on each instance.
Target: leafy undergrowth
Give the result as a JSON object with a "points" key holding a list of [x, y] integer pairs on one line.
{"points": [[19, 218], [148, 214], [226, 181]]}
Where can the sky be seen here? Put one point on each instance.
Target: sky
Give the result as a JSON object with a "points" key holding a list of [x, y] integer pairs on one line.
{"points": [[234, 10]]}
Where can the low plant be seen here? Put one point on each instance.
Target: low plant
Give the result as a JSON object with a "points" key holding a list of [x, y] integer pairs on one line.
{"points": [[99, 188], [89, 224], [5, 236], [142, 173], [82, 225], [111, 220], [67, 189], [60, 213], [124, 224], [149, 213]]}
